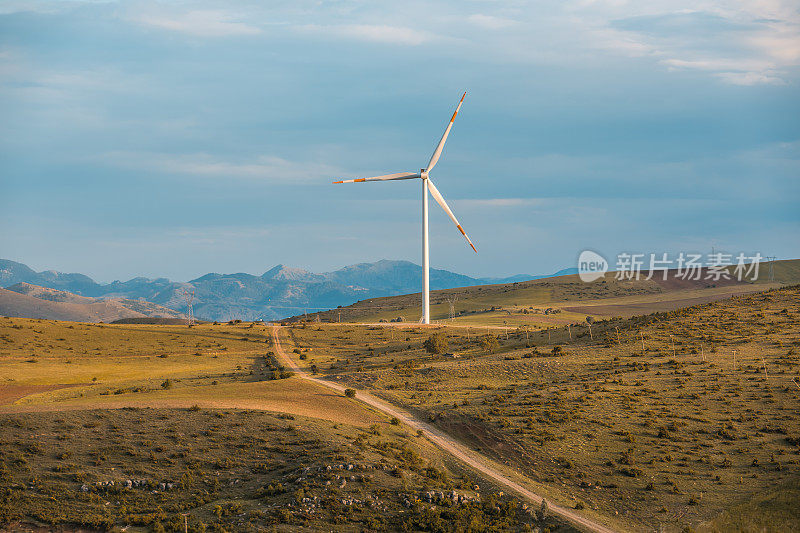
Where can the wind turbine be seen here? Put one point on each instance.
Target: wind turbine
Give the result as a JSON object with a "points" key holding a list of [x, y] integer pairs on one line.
{"points": [[427, 185]]}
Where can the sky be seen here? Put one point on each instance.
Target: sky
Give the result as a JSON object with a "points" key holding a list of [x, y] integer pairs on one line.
{"points": [[174, 139]]}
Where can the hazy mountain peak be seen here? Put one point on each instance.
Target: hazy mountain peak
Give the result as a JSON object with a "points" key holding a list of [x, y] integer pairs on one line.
{"points": [[283, 272]]}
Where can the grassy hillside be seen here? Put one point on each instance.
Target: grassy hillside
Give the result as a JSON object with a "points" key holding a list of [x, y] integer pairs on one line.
{"points": [[110, 426], [662, 420], [524, 303], [233, 471]]}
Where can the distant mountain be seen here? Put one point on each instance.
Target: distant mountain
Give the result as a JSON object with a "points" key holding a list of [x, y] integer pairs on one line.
{"points": [[526, 277], [280, 292], [32, 301], [12, 272]]}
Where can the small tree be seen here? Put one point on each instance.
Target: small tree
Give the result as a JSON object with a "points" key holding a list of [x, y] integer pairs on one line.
{"points": [[436, 343], [350, 393], [489, 343]]}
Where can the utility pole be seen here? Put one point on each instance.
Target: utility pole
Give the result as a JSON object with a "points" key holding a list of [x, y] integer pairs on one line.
{"points": [[672, 340], [188, 296], [451, 300], [771, 269], [570, 332], [642, 336]]}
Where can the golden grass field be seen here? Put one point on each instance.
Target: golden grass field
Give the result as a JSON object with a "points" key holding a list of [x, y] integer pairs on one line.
{"points": [[523, 303], [82, 405], [659, 421], [669, 437]]}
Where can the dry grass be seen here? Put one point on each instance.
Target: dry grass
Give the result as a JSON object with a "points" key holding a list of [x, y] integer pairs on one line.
{"points": [[662, 436], [228, 471], [84, 405]]}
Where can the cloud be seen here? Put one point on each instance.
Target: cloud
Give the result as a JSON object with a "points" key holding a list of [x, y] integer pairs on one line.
{"points": [[262, 168], [490, 22], [372, 33], [201, 23], [752, 72], [750, 78], [737, 45], [502, 202]]}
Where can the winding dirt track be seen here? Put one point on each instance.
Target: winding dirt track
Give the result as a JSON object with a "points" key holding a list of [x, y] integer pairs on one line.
{"points": [[445, 442]]}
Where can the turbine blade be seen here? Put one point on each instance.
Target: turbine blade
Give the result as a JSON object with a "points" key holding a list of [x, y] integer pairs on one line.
{"points": [[440, 147], [440, 199], [385, 177]]}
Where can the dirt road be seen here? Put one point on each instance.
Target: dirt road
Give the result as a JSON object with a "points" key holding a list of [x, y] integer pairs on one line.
{"points": [[445, 442]]}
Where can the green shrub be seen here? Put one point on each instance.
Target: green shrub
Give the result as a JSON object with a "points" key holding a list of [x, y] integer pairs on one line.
{"points": [[436, 343], [489, 343]]}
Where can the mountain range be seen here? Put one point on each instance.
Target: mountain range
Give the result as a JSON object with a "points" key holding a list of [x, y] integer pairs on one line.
{"points": [[280, 292]]}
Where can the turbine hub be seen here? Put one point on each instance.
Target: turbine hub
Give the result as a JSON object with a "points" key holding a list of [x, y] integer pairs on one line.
{"points": [[423, 174]]}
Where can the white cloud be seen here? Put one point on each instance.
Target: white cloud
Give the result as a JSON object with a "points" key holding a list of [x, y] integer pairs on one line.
{"points": [[201, 23], [741, 72], [503, 202], [373, 33], [262, 168], [490, 22], [750, 78], [743, 44]]}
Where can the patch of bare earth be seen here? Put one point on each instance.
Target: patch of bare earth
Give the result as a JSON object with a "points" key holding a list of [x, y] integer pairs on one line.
{"points": [[12, 393]]}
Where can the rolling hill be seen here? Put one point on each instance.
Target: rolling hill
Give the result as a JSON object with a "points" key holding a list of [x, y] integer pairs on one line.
{"points": [[280, 292], [525, 303], [31, 301]]}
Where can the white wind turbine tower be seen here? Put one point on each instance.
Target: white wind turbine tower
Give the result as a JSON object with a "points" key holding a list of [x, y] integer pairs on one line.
{"points": [[427, 185]]}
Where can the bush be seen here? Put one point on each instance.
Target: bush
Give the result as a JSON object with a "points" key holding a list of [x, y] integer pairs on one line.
{"points": [[394, 421], [350, 393], [436, 343], [489, 343], [166, 384]]}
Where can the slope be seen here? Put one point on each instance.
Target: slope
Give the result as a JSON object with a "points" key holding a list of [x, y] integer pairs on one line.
{"points": [[31, 301]]}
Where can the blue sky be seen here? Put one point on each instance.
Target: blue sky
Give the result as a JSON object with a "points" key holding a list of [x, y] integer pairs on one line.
{"points": [[178, 138]]}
